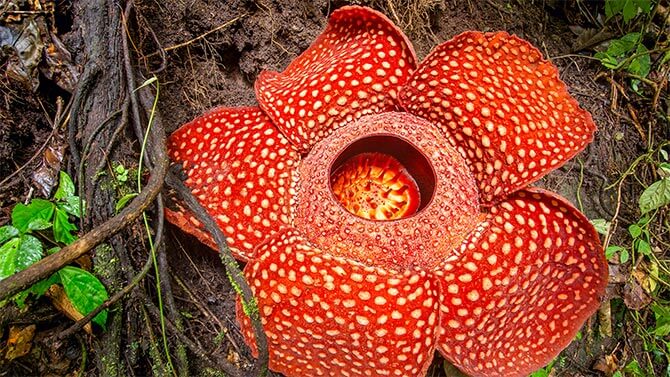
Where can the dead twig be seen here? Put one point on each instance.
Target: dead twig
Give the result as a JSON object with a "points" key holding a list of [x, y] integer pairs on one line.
{"points": [[199, 37], [636, 123], [161, 51], [615, 89]]}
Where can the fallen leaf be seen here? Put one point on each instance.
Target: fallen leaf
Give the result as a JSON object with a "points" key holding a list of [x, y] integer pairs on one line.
{"points": [[618, 273], [31, 46], [19, 342], [634, 295], [644, 278], [607, 364], [45, 176], [59, 66], [588, 38], [23, 46]]}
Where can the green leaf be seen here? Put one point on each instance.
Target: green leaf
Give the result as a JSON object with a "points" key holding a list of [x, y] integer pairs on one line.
{"points": [[662, 315], [121, 173], [602, 226], [53, 250], [33, 216], [629, 10], [612, 250], [38, 290], [40, 224], [66, 197], [544, 372], [620, 47], [645, 5], [666, 58], [74, 206], [664, 170], [641, 65], [664, 153], [613, 7], [633, 369], [540, 373], [644, 220], [18, 254], [85, 291], [65, 187], [642, 247], [29, 252], [148, 81], [63, 227], [635, 85], [123, 201], [624, 256], [655, 196], [635, 230], [7, 232], [8, 257], [606, 60]]}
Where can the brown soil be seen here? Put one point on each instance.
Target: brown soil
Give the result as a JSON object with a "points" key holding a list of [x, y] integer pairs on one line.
{"points": [[219, 70]]}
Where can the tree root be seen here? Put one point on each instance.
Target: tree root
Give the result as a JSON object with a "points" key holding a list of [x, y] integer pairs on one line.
{"points": [[232, 269]]}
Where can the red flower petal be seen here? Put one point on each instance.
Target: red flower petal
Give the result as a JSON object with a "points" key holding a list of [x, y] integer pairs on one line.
{"points": [[503, 106], [329, 316], [355, 67], [448, 211], [241, 170], [519, 289]]}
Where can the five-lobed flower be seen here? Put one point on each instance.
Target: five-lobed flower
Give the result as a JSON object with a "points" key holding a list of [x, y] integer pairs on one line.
{"points": [[384, 210]]}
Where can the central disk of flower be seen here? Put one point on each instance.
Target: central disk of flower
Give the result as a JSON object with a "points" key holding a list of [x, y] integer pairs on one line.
{"points": [[386, 190], [376, 186]]}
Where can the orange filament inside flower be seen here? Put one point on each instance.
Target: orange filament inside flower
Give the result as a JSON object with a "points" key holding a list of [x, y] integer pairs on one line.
{"points": [[375, 186]]}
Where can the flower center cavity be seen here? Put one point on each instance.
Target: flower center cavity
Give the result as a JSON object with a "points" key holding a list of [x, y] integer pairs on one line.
{"points": [[382, 177]]}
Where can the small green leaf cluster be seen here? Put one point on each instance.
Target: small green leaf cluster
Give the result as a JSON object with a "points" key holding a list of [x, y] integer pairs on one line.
{"points": [[632, 369], [628, 9], [662, 316], [648, 269], [627, 53], [20, 247], [641, 240], [546, 371], [653, 198], [121, 173], [657, 195]]}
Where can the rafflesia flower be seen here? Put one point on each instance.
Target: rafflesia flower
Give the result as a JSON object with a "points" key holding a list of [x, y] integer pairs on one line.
{"points": [[384, 210]]}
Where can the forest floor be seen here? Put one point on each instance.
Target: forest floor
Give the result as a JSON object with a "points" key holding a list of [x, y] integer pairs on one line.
{"points": [[212, 51]]}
